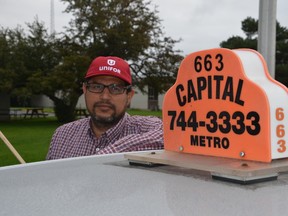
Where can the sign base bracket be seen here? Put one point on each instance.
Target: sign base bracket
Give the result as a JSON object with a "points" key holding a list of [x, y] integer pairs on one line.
{"points": [[244, 180], [224, 169]]}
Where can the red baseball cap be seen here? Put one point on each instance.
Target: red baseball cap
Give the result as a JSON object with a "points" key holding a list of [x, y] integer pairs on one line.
{"points": [[110, 66]]}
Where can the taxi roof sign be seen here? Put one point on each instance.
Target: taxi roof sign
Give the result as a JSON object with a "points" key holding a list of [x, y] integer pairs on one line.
{"points": [[224, 103]]}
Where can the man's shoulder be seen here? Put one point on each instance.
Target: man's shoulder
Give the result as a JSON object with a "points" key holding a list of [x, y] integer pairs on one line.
{"points": [[137, 119]]}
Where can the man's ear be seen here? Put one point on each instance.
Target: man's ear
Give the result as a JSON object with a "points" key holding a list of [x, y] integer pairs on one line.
{"points": [[84, 89], [130, 96]]}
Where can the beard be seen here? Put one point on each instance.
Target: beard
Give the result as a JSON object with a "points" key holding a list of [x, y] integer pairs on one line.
{"points": [[105, 122]]}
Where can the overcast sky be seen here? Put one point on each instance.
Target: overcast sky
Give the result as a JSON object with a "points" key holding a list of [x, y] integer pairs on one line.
{"points": [[202, 24]]}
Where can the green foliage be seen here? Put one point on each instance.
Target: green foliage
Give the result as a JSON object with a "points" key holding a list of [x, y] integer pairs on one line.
{"points": [[250, 28], [158, 66], [145, 112], [281, 75], [113, 27], [62, 85], [14, 54], [131, 30], [27, 54], [6, 80], [54, 65]]}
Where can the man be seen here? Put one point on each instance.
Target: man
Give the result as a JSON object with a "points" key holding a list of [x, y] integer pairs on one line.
{"points": [[109, 129]]}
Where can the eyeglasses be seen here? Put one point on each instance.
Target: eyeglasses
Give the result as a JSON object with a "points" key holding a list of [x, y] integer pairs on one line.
{"points": [[114, 89]]}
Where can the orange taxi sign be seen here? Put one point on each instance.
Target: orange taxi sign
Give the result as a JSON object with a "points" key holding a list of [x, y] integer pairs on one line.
{"points": [[224, 103]]}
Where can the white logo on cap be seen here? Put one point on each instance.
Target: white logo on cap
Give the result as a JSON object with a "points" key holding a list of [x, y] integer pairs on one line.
{"points": [[111, 62]]}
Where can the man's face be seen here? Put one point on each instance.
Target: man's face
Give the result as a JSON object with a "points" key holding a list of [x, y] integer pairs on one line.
{"points": [[106, 109]]}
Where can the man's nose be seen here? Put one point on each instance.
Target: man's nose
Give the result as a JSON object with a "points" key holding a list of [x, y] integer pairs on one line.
{"points": [[106, 93]]}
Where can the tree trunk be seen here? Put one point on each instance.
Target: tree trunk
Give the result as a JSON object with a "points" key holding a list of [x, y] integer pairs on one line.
{"points": [[64, 112]]}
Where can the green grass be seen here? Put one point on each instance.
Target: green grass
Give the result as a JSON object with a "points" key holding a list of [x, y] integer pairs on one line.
{"points": [[145, 112], [31, 137]]}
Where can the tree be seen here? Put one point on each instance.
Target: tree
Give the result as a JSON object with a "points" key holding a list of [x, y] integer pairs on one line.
{"points": [[63, 85], [113, 27], [62, 72], [7, 76], [55, 65], [250, 28], [158, 67], [129, 29], [14, 57]]}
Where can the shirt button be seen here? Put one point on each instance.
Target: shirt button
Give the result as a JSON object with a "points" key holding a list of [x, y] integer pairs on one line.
{"points": [[97, 149]]}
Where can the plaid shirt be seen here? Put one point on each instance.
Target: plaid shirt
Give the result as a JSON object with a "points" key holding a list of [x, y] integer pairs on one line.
{"points": [[132, 133]]}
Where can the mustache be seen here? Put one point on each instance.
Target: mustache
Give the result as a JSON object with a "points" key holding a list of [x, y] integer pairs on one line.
{"points": [[105, 103]]}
